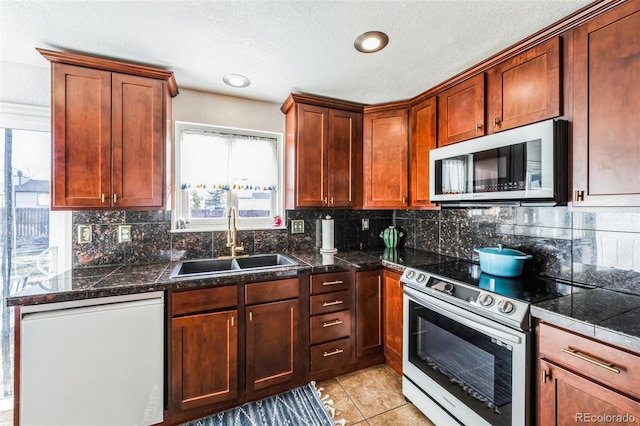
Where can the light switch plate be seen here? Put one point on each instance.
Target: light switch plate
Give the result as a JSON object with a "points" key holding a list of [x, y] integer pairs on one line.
{"points": [[84, 234], [297, 226], [124, 233], [365, 224]]}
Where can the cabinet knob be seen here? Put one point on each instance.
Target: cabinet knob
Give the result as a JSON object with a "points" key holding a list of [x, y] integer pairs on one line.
{"points": [[404, 201], [496, 122], [115, 198], [103, 198], [478, 127], [325, 201], [578, 195], [331, 201]]}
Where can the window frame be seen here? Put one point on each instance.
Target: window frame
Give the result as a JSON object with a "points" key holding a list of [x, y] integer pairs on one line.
{"points": [[181, 206]]}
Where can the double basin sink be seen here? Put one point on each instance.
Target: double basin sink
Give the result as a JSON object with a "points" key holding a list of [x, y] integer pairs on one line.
{"points": [[209, 267]]}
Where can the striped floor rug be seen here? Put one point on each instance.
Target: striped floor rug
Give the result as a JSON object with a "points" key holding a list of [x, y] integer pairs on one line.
{"points": [[303, 406]]}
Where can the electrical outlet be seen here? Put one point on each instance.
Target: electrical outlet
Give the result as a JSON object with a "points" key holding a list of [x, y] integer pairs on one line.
{"points": [[365, 224], [84, 234], [297, 226], [124, 233]]}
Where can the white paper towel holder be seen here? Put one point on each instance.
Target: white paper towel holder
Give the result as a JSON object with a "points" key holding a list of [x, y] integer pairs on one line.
{"points": [[328, 240]]}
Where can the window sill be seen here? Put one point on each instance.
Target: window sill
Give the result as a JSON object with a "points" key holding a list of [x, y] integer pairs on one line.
{"points": [[213, 228]]}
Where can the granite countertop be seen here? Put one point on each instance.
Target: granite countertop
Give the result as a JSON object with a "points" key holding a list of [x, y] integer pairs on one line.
{"points": [[604, 314], [90, 282]]}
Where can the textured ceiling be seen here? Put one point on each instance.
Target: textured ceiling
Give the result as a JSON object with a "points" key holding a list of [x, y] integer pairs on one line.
{"points": [[282, 46]]}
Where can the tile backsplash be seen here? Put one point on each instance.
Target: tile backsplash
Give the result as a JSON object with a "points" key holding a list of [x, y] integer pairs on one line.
{"points": [[601, 248]]}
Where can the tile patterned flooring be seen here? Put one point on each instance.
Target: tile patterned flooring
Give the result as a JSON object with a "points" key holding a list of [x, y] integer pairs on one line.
{"points": [[369, 397], [372, 397]]}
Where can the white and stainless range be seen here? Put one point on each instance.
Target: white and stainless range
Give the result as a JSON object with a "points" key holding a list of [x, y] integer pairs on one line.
{"points": [[467, 343]]}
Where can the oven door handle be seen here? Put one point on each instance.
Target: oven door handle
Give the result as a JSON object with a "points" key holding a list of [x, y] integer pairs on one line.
{"points": [[462, 316]]}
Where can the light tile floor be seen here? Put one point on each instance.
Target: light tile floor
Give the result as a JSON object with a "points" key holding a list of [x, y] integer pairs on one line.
{"points": [[373, 397]]}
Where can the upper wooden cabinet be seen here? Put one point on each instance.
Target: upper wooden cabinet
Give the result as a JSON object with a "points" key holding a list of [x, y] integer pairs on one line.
{"points": [[461, 111], [606, 102], [108, 128], [423, 139], [525, 89], [386, 159], [323, 152]]}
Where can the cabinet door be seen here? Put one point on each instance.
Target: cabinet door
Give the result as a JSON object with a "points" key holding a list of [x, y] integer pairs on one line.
{"points": [[138, 141], [606, 100], [368, 313], [565, 398], [386, 177], [525, 89], [273, 341], [393, 308], [461, 111], [423, 139], [81, 172], [204, 359], [342, 151], [311, 156]]}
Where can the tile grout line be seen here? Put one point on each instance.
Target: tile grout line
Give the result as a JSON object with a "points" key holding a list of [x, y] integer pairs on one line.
{"points": [[350, 399]]}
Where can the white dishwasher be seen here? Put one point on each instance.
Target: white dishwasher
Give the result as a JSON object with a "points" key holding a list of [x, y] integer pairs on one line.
{"points": [[93, 362]]}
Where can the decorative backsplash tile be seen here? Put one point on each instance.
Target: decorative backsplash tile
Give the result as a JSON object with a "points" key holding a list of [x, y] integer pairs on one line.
{"points": [[600, 248]]}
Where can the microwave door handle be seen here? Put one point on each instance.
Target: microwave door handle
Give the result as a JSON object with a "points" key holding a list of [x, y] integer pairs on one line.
{"points": [[461, 316]]}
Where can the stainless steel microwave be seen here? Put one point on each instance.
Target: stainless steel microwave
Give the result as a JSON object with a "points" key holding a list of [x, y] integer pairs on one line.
{"points": [[526, 165]]}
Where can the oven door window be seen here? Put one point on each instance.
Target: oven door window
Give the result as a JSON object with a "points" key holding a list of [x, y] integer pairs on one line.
{"points": [[474, 367]]}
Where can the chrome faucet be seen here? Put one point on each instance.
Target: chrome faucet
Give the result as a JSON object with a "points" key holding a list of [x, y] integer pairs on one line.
{"points": [[232, 231]]}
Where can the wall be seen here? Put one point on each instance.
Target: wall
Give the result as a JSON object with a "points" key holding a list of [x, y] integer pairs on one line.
{"points": [[593, 247], [152, 240]]}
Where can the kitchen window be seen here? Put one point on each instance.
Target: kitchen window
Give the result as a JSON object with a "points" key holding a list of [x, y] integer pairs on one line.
{"points": [[221, 167]]}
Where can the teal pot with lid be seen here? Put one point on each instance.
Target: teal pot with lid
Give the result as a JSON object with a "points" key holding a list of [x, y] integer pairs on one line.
{"points": [[502, 262]]}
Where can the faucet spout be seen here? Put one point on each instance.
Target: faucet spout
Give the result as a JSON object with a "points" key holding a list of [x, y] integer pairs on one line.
{"points": [[232, 231]]}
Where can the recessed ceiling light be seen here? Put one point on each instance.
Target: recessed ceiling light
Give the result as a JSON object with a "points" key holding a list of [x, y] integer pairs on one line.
{"points": [[235, 80], [371, 41]]}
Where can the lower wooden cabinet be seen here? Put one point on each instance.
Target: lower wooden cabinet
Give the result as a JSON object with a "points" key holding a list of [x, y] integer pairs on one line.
{"points": [[226, 347], [204, 359], [273, 338], [582, 380], [330, 325], [368, 312], [393, 309], [203, 349], [566, 398]]}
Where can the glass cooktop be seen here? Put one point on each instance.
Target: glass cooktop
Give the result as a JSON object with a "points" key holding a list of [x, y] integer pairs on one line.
{"points": [[531, 289]]}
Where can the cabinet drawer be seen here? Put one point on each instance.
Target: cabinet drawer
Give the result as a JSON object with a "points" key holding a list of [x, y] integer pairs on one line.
{"points": [[204, 299], [326, 283], [330, 326], [330, 302], [271, 291], [330, 356], [609, 365]]}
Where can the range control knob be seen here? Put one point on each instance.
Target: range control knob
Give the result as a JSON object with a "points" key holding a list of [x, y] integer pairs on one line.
{"points": [[411, 274], [505, 307], [485, 299], [448, 288], [421, 278]]}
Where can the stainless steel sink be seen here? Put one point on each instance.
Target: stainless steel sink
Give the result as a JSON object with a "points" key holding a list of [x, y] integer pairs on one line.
{"points": [[264, 261], [210, 267]]}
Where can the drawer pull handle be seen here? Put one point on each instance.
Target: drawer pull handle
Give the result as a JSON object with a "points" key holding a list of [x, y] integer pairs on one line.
{"points": [[332, 282], [335, 302], [336, 352], [331, 324], [605, 365], [545, 376]]}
